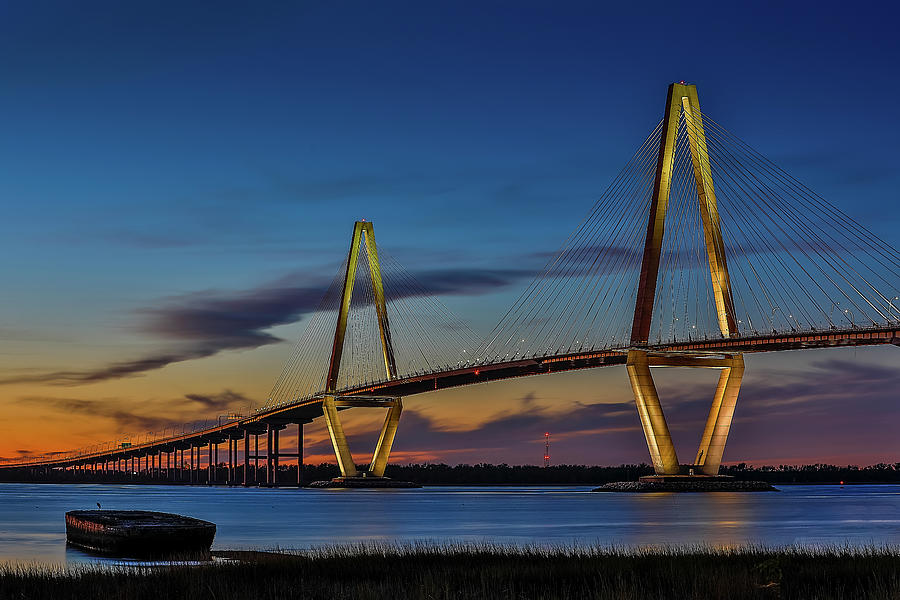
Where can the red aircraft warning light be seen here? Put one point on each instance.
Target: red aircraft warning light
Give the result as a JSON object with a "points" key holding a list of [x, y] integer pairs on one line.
{"points": [[547, 449]]}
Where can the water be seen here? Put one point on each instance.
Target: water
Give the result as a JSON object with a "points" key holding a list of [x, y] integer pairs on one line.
{"points": [[32, 524]]}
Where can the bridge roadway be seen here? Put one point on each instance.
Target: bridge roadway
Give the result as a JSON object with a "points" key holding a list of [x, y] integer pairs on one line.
{"points": [[306, 410]]}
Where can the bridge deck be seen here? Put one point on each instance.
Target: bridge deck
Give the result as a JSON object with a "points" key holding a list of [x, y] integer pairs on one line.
{"points": [[305, 411]]}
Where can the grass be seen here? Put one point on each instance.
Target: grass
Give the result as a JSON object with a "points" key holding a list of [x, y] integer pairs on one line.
{"points": [[423, 571]]}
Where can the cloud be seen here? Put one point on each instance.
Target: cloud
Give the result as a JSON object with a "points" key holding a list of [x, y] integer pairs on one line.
{"points": [[116, 370], [108, 409], [587, 254], [202, 324], [463, 282], [828, 386], [216, 321], [150, 415], [219, 402], [522, 425]]}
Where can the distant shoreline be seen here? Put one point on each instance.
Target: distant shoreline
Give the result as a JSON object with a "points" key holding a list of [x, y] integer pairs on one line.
{"points": [[424, 485], [430, 474]]}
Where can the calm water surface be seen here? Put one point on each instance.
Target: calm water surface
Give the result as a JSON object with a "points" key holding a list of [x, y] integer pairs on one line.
{"points": [[32, 524]]}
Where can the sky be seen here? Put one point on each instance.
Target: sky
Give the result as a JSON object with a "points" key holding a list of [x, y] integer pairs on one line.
{"points": [[179, 179]]}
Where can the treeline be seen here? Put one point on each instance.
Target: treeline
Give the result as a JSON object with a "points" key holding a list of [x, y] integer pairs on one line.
{"points": [[880, 473], [481, 474], [504, 474]]}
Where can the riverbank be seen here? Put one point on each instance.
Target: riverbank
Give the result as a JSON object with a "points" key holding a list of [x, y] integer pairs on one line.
{"points": [[463, 571], [428, 474]]}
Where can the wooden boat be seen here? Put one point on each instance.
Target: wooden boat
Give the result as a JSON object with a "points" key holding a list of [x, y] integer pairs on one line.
{"points": [[138, 533]]}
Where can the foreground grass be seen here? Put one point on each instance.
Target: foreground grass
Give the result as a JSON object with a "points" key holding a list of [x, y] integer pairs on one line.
{"points": [[462, 571]]}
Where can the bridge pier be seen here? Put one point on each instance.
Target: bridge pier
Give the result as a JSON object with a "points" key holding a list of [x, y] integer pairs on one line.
{"points": [[653, 421], [269, 437], [256, 458], [211, 465], [230, 464], [299, 454], [246, 458], [275, 438], [363, 233], [683, 98], [235, 445]]}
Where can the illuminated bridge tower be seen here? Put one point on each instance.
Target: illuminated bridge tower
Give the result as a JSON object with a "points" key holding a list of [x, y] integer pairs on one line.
{"points": [[363, 233], [682, 97]]}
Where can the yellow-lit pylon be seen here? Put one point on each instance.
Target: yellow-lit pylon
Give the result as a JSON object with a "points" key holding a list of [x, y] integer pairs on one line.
{"points": [[683, 97], [363, 232]]}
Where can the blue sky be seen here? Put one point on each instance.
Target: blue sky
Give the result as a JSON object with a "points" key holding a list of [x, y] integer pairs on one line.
{"points": [[175, 154]]}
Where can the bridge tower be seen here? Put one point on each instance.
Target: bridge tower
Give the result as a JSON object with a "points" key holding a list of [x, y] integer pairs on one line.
{"points": [[683, 98], [363, 233]]}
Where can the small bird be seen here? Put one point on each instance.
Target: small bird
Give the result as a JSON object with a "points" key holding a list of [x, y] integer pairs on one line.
{"points": [[98, 505]]}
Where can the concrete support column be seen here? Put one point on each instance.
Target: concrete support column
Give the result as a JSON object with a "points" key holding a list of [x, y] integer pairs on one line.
{"points": [[276, 437], [210, 475], [193, 475], [721, 413], [269, 437], [230, 460], [299, 454], [338, 439], [653, 421], [386, 439], [246, 458]]}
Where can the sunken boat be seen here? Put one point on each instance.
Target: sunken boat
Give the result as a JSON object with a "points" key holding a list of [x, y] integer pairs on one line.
{"points": [[138, 533]]}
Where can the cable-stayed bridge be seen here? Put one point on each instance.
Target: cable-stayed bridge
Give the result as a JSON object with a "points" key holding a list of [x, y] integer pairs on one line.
{"points": [[701, 250]]}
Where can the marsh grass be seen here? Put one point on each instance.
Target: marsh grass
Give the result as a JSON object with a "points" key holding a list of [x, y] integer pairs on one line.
{"points": [[459, 571]]}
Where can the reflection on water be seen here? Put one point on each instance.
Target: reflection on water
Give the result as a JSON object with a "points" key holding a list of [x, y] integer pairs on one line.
{"points": [[32, 524]]}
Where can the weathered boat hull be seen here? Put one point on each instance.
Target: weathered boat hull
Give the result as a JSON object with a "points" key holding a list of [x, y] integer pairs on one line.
{"points": [[138, 533]]}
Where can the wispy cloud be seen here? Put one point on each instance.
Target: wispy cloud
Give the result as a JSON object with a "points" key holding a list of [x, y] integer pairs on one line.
{"points": [[148, 415], [203, 324], [523, 424], [108, 409]]}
